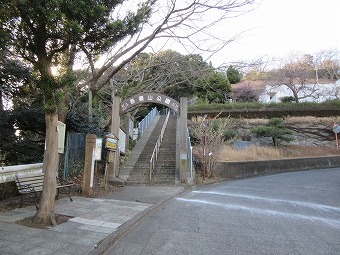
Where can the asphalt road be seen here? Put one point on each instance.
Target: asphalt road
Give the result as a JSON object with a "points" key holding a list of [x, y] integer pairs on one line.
{"points": [[289, 213]]}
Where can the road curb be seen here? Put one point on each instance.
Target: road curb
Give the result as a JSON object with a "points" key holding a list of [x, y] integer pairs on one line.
{"points": [[106, 243]]}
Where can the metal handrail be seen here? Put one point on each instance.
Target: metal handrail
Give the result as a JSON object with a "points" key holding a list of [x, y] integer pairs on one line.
{"points": [[154, 156], [144, 124]]}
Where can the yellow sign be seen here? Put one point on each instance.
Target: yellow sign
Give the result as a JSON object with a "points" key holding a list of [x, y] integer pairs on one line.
{"points": [[111, 143]]}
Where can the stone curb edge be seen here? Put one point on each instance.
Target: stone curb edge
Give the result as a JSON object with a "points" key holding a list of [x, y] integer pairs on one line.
{"points": [[106, 243]]}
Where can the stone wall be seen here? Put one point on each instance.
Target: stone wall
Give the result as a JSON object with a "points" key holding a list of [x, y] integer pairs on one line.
{"points": [[7, 173], [231, 170]]}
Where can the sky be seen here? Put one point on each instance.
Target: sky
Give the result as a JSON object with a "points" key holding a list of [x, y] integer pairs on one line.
{"points": [[277, 29]]}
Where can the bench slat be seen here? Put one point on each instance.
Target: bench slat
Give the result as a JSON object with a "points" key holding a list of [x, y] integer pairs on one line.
{"points": [[35, 182]]}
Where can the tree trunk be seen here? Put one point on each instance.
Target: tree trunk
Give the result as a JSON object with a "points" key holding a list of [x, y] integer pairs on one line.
{"points": [[296, 97], [45, 214], [62, 116], [275, 141]]}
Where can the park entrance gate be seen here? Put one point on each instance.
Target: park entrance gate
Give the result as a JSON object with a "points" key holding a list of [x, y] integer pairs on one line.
{"points": [[180, 108]]}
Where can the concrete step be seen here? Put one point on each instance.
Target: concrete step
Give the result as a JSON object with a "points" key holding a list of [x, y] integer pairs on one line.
{"points": [[164, 172]]}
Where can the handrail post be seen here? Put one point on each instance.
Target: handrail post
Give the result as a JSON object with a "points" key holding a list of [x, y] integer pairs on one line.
{"points": [[150, 170]]}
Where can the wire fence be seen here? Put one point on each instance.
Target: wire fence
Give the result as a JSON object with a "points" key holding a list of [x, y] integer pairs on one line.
{"points": [[74, 154]]}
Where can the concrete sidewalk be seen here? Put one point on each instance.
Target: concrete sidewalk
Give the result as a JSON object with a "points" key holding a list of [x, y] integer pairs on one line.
{"points": [[96, 222]]}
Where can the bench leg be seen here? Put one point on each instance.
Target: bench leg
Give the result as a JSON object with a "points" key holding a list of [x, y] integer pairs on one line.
{"points": [[35, 200], [21, 200], [57, 196], [69, 193]]}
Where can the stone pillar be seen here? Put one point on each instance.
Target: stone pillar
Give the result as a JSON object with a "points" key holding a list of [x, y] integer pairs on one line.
{"points": [[115, 125], [183, 156], [88, 176], [127, 128]]}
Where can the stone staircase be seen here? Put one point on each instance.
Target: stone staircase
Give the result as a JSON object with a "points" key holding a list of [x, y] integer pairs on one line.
{"points": [[141, 171], [129, 165], [165, 170], [137, 168]]}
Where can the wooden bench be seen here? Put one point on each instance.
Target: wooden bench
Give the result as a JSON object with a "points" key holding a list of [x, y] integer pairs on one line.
{"points": [[28, 184]]}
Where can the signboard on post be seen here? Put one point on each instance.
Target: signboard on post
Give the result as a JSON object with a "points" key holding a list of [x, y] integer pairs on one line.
{"points": [[336, 129], [110, 156], [111, 142], [122, 141]]}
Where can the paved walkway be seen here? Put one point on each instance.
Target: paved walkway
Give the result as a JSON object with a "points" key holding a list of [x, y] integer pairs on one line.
{"points": [[96, 222]]}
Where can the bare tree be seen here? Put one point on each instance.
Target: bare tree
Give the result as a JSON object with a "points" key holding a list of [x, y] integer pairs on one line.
{"points": [[327, 64], [335, 92], [187, 23], [254, 69], [210, 136], [296, 73]]}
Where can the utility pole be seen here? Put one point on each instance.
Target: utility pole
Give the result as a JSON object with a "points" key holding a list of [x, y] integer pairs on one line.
{"points": [[115, 125]]}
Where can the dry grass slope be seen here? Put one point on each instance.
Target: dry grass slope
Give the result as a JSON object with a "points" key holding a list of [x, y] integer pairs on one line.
{"points": [[266, 153]]}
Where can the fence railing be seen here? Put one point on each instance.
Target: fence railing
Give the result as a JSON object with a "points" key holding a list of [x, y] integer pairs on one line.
{"points": [[144, 124], [155, 152]]}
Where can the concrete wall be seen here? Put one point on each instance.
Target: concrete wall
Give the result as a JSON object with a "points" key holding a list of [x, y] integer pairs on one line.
{"points": [[7, 173], [232, 170]]}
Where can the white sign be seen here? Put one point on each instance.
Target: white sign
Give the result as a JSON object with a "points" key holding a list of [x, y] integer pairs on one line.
{"points": [[98, 149], [61, 128], [122, 141], [92, 169]]}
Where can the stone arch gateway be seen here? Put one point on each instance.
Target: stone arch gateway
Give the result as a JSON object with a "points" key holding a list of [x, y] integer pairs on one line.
{"points": [[119, 109], [144, 98]]}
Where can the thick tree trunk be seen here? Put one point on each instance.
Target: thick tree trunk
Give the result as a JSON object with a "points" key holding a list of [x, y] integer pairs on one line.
{"points": [[296, 96], [45, 214]]}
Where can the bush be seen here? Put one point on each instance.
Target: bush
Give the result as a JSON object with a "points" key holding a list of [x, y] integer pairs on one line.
{"points": [[274, 129], [218, 125], [229, 134], [287, 99], [7, 190]]}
